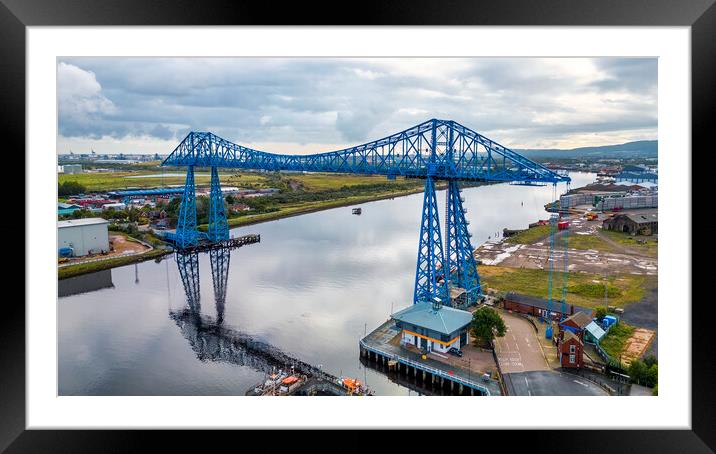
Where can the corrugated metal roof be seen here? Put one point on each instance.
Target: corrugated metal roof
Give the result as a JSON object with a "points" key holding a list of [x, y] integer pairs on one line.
{"points": [[446, 320], [595, 330], [65, 206], [78, 222]]}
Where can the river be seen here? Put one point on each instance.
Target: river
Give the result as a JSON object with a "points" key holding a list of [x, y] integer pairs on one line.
{"points": [[311, 288]]}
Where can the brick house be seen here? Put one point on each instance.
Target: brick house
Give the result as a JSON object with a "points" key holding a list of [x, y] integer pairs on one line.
{"points": [[576, 323], [571, 350]]}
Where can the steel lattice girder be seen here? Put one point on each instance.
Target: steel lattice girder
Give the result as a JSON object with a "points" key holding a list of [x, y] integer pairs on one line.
{"points": [[454, 151], [186, 233], [552, 228], [188, 264], [565, 270], [218, 225], [459, 251], [220, 259], [431, 259]]}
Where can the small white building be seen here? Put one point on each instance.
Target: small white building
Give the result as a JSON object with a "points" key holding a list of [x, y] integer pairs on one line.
{"points": [[84, 236], [70, 168], [429, 329], [119, 206]]}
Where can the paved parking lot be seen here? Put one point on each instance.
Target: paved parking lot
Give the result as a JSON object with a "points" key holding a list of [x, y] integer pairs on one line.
{"points": [[519, 350]]}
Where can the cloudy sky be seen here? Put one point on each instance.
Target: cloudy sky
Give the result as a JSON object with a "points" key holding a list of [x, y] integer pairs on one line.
{"points": [[293, 105]]}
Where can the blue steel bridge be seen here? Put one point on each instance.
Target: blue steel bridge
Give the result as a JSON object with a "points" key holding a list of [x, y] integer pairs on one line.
{"points": [[433, 150]]}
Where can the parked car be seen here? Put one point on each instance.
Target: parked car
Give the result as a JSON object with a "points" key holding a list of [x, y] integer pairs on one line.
{"points": [[455, 351]]}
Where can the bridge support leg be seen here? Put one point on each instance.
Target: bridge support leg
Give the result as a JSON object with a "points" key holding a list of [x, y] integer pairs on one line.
{"points": [[188, 264], [220, 259], [218, 225], [459, 251], [429, 283], [186, 233]]}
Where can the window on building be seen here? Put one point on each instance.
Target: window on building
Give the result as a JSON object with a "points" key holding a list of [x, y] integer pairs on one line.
{"points": [[571, 359], [571, 349]]}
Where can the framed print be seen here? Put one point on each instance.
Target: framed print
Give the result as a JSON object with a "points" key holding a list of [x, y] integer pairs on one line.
{"points": [[406, 219]]}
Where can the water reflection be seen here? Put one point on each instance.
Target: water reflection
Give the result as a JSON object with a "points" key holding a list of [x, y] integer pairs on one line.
{"points": [[312, 290], [85, 283], [208, 338]]}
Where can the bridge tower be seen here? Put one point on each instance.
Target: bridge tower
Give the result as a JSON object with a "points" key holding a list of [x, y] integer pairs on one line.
{"points": [[218, 225], [460, 255], [186, 233], [430, 285]]}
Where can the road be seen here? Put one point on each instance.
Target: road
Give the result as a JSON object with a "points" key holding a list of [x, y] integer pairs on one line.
{"points": [[519, 349], [550, 383]]}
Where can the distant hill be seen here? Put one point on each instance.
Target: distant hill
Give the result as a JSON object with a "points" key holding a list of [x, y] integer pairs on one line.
{"points": [[638, 149]]}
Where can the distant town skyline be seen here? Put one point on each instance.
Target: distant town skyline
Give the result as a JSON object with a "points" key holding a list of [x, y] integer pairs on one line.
{"points": [[301, 105]]}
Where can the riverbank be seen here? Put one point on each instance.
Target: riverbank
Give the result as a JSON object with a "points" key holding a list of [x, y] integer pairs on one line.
{"points": [[99, 265], [312, 207]]}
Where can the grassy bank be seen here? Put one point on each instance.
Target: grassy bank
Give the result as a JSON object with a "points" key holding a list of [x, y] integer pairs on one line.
{"points": [[590, 242], [90, 267], [649, 245], [583, 289], [113, 181], [615, 340], [530, 236]]}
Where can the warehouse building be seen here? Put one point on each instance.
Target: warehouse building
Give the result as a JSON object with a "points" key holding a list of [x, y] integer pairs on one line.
{"points": [[429, 329], [644, 222], [83, 236], [64, 209], [537, 307]]}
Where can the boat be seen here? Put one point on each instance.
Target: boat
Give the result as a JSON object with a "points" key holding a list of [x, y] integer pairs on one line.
{"points": [[357, 210], [354, 387], [282, 383]]}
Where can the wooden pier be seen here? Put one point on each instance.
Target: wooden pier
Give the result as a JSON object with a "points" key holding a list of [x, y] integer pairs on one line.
{"points": [[375, 347]]}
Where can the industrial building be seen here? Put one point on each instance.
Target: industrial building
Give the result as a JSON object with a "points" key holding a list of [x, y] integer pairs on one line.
{"points": [[64, 209], [644, 222], [537, 307], [429, 329], [83, 236], [70, 168]]}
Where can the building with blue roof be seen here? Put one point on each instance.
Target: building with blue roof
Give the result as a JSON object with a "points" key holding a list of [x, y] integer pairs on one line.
{"points": [[430, 329]]}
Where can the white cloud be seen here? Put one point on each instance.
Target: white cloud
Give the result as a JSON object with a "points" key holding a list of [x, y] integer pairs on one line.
{"points": [[317, 103], [80, 97]]}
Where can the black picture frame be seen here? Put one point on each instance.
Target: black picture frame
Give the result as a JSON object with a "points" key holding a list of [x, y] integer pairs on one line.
{"points": [[16, 15]]}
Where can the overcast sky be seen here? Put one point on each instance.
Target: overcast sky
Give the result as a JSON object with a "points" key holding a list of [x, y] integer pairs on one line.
{"points": [[294, 105]]}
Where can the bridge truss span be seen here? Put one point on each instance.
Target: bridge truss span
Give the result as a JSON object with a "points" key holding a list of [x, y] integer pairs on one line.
{"points": [[433, 150], [442, 149]]}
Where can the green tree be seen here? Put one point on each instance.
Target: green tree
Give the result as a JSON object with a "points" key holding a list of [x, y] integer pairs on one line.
{"points": [[486, 324], [230, 199], [637, 371], [70, 188], [600, 313]]}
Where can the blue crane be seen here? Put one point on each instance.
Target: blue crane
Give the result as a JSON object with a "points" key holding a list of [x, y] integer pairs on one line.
{"points": [[433, 150]]}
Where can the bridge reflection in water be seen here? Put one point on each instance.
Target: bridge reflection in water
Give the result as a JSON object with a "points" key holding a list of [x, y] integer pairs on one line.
{"points": [[209, 338]]}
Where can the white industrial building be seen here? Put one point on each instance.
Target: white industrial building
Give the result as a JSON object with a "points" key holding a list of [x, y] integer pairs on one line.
{"points": [[84, 236], [70, 168]]}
